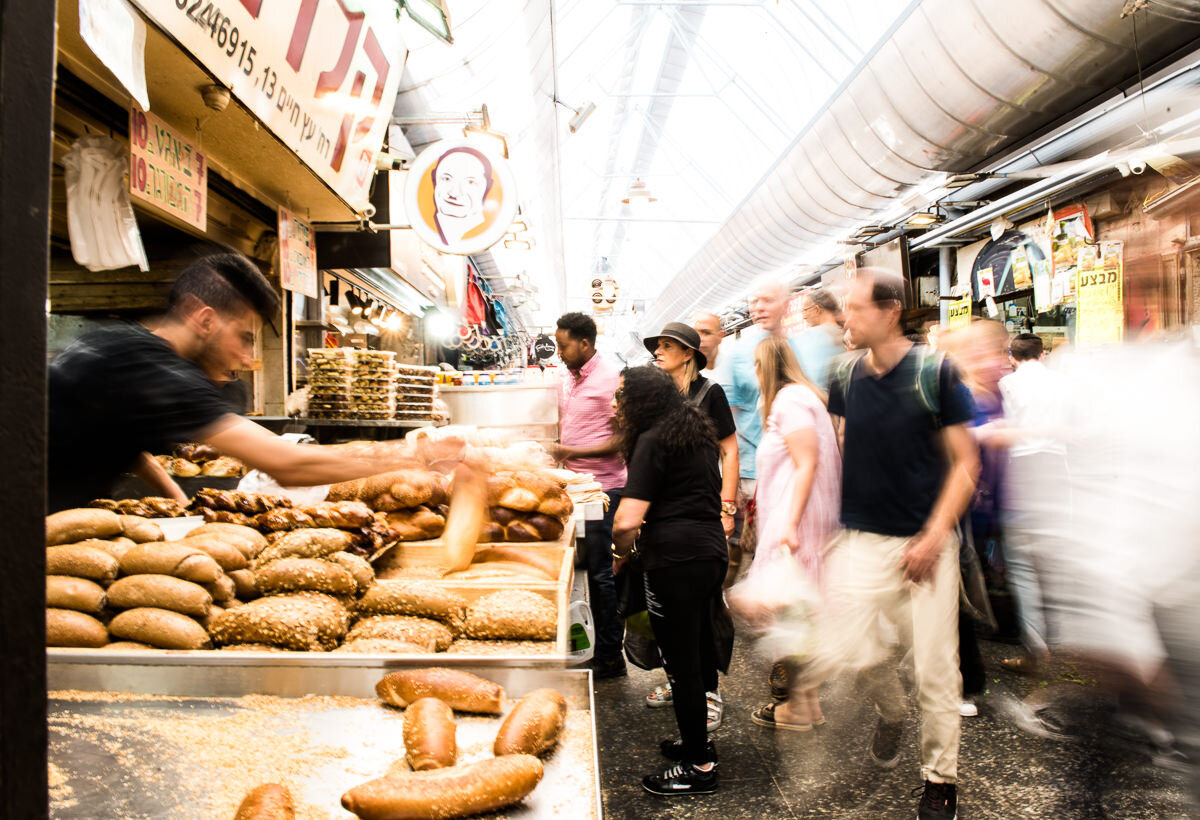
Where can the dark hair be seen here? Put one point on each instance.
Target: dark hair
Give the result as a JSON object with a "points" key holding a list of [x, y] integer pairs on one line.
{"points": [[227, 283], [479, 155], [649, 398], [579, 325], [1026, 347], [886, 286], [825, 300]]}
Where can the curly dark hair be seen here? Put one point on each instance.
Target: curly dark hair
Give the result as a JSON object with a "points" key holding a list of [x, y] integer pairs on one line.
{"points": [[579, 326], [649, 398]]}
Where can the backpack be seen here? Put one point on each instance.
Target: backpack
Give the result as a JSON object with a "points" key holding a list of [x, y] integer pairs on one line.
{"points": [[699, 399], [926, 379]]}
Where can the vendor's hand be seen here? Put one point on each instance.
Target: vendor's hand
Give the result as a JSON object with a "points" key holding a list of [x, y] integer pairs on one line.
{"points": [[619, 564], [922, 554], [727, 524], [556, 452]]}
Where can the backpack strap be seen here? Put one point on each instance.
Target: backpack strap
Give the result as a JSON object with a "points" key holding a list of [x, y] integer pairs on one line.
{"points": [[699, 398], [843, 369], [928, 379]]}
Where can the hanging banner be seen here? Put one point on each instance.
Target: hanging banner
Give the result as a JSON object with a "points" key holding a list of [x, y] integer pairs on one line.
{"points": [[960, 312], [460, 196], [1100, 304], [166, 170], [297, 254], [327, 97], [1071, 231]]}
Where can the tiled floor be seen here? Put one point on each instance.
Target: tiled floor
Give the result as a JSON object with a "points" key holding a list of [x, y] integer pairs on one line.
{"points": [[767, 774]]}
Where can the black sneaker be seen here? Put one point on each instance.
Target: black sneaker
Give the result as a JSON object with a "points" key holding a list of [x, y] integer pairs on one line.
{"points": [[939, 801], [673, 750], [609, 668], [885, 745], [682, 778]]}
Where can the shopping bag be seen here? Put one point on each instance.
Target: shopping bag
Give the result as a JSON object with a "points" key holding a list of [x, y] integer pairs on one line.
{"points": [[776, 605], [640, 647]]}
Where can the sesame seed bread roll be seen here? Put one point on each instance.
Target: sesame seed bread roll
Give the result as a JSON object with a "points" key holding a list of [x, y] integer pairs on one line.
{"points": [[441, 794], [420, 598], [534, 725], [435, 636], [358, 567], [382, 646], [304, 575], [301, 621], [306, 543], [429, 735], [66, 627], [461, 691], [512, 615], [79, 594], [162, 592]]}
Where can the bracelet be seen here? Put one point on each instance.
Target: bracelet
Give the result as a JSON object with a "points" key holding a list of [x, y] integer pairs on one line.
{"points": [[619, 556]]}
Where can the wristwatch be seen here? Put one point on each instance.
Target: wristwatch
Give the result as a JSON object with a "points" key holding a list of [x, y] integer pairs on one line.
{"points": [[728, 508]]}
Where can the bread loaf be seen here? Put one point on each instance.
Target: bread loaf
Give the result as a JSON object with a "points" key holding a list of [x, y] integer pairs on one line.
{"points": [[382, 646], [307, 543], [140, 529], [459, 791], [223, 467], [159, 627], [415, 524], [116, 547], [304, 574], [512, 614], [465, 520], [161, 591], [247, 535], [66, 627], [461, 691], [422, 598], [429, 735], [359, 568], [171, 558], [303, 621], [79, 594], [270, 801], [435, 636], [72, 526], [128, 646], [534, 724], [81, 562], [243, 584], [222, 590], [228, 556]]}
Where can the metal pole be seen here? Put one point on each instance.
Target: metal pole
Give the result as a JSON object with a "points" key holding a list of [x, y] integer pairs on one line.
{"points": [[946, 260]]}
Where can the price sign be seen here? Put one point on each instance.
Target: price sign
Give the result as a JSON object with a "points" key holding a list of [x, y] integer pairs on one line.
{"points": [[960, 312], [297, 254], [166, 170], [1099, 292], [321, 74]]}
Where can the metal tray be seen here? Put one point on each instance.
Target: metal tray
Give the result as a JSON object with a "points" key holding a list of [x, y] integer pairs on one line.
{"points": [[184, 741]]}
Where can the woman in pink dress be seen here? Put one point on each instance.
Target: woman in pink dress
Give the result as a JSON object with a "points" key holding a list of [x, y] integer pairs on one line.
{"points": [[798, 495]]}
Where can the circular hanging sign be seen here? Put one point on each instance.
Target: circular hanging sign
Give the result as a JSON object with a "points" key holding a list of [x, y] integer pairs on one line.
{"points": [[460, 196], [544, 347]]}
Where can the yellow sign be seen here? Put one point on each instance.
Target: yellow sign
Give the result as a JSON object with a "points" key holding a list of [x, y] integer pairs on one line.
{"points": [[960, 312], [167, 170], [1099, 294]]}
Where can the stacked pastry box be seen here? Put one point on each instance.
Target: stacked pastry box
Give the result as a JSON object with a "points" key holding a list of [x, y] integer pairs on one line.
{"points": [[329, 383], [415, 391], [373, 384], [265, 574]]}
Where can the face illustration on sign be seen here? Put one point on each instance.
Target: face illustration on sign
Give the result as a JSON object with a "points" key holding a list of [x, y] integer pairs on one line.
{"points": [[460, 198]]}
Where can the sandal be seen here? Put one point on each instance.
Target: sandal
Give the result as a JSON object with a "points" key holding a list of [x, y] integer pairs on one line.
{"points": [[765, 716], [660, 697]]}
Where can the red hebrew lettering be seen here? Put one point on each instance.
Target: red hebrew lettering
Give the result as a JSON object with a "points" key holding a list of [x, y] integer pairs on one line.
{"points": [[330, 81], [304, 23], [380, 63]]}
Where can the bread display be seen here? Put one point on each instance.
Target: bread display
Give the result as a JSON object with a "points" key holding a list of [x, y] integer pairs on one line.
{"points": [[304, 574], [212, 516], [465, 520], [223, 467], [248, 538], [429, 735], [533, 726], [161, 628], [419, 598], [162, 592], [459, 690], [139, 529], [511, 614], [66, 627], [72, 526], [528, 491], [459, 791], [392, 491], [270, 801], [150, 507], [305, 543], [79, 594], [81, 561], [304, 621], [228, 556], [171, 558], [435, 636], [337, 514], [237, 501], [223, 590], [412, 524], [359, 568]]}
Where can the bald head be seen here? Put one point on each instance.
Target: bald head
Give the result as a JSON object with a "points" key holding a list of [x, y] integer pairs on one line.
{"points": [[708, 325], [768, 301]]}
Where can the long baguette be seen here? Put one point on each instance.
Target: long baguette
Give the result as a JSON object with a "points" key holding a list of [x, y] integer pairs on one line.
{"points": [[429, 741], [534, 724], [461, 691], [270, 801], [441, 794]]}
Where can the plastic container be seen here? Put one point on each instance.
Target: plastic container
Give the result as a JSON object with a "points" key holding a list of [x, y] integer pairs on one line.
{"points": [[582, 634]]}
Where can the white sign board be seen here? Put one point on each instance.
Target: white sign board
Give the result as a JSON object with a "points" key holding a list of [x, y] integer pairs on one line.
{"points": [[321, 74], [297, 254]]}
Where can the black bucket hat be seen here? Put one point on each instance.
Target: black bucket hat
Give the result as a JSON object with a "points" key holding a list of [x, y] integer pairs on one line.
{"points": [[683, 334]]}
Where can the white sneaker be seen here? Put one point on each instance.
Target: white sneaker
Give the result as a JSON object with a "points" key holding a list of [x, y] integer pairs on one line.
{"points": [[660, 697], [968, 708], [716, 710]]}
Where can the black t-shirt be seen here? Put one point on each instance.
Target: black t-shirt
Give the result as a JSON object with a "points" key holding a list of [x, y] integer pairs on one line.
{"points": [[894, 461], [113, 394], [684, 491], [716, 406]]}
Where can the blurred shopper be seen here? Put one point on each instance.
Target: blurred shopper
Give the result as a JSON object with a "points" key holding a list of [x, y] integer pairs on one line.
{"points": [[799, 489], [589, 444], [1036, 490], [672, 509], [821, 342], [908, 472], [708, 325], [677, 352], [122, 392]]}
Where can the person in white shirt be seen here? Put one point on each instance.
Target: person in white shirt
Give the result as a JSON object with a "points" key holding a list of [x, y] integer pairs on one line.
{"points": [[1033, 408]]}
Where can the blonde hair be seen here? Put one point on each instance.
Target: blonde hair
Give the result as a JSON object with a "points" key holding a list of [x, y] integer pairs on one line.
{"points": [[690, 373], [777, 368]]}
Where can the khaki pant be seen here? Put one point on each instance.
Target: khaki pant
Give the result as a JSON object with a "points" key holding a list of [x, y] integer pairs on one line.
{"points": [[865, 581]]}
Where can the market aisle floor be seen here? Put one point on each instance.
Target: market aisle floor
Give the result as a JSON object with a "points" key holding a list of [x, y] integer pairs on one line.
{"points": [[768, 774]]}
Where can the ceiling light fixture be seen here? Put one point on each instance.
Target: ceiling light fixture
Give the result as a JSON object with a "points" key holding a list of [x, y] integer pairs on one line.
{"points": [[638, 194], [963, 180], [923, 219]]}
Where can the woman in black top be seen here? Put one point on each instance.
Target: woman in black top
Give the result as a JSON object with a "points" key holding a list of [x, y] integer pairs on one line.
{"points": [[672, 496]]}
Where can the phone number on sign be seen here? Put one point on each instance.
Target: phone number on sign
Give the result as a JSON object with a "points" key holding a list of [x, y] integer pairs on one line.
{"points": [[218, 26]]}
